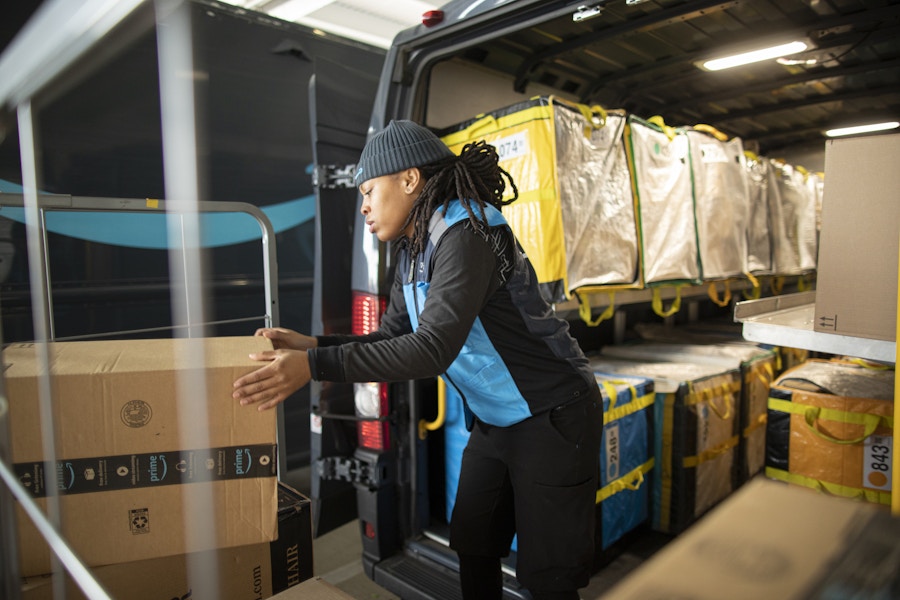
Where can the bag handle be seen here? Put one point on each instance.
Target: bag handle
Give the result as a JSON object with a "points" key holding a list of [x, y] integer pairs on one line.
{"points": [[713, 293], [656, 302], [726, 399], [659, 122], [711, 131], [584, 309], [868, 421]]}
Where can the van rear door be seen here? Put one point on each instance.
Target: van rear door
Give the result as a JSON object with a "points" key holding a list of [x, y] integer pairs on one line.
{"points": [[340, 101]]}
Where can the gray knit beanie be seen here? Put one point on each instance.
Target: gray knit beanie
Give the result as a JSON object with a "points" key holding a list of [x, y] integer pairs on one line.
{"points": [[401, 145]]}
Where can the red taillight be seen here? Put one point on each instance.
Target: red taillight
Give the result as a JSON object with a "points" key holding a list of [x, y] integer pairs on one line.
{"points": [[369, 530], [366, 317], [431, 18], [367, 310], [375, 434]]}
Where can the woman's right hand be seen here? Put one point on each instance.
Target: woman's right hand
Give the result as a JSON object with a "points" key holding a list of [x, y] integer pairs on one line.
{"points": [[287, 339]]}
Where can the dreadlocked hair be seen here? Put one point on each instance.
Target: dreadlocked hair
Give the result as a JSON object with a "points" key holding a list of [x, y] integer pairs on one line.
{"points": [[474, 177]]}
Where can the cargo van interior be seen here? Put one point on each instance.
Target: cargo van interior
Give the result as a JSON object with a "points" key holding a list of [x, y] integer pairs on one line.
{"points": [[647, 58]]}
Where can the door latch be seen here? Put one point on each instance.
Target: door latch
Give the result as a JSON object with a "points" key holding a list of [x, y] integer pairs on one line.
{"points": [[333, 176]]}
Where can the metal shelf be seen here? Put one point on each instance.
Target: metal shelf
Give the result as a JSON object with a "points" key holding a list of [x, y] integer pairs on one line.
{"points": [[788, 321]]}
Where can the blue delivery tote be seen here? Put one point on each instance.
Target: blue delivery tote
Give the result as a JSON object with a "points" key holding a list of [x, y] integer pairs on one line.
{"points": [[456, 436], [626, 456], [696, 434]]}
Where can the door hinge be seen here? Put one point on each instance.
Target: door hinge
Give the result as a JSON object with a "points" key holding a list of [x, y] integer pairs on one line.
{"points": [[349, 469], [333, 176]]}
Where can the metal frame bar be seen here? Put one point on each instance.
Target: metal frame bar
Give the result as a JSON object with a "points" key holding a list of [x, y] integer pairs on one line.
{"points": [[57, 36], [63, 203]]}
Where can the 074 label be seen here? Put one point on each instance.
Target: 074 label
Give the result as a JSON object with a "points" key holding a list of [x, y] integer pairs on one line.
{"points": [[511, 146]]}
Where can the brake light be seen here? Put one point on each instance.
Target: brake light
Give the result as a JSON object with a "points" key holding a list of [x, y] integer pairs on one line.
{"points": [[371, 399], [431, 18], [366, 312]]}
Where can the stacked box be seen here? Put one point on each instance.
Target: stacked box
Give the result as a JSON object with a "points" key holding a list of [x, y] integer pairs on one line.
{"points": [[696, 434], [661, 176], [240, 573], [721, 202], [771, 540], [132, 452], [830, 428], [575, 216], [626, 456], [856, 291], [757, 366]]}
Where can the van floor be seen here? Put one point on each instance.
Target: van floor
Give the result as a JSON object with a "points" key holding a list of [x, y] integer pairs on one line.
{"points": [[336, 557]]}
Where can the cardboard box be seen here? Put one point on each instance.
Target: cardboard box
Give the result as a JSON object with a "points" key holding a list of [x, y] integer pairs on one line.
{"points": [[240, 573], [856, 288], [772, 540], [313, 589], [143, 470]]}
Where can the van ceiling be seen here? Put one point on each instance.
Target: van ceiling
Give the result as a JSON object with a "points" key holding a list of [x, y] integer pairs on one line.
{"points": [[642, 57]]}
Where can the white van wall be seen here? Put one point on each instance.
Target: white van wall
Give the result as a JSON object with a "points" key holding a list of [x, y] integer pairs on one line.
{"points": [[460, 91]]}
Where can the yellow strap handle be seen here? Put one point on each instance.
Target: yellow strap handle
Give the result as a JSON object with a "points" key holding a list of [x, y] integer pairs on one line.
{"points": [[777, 285], [426, 426], [594, 115], [870, 365], [591, 113], [713, 293], [757, 423], [488, 121], [765, 372], [656, 302], [661, 123], [712, 131], [612, 392], [729, 404], [711, 453], [755, 292], [811, 414], [632, 407], [832, 489], [870, 423], [704, 395], [584, 309], [629, 481]]}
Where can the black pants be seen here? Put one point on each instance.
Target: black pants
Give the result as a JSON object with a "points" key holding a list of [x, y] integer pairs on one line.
{"points": [[537, 479]]}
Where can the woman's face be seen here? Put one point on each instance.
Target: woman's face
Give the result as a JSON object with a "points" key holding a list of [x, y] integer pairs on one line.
{"points": [[387, 202]]}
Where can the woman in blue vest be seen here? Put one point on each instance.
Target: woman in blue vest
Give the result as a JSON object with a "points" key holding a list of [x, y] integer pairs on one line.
{"points": [[465, 306]]}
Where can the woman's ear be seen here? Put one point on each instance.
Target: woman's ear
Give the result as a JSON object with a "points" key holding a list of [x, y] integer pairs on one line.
{"points": [[412, 177]]}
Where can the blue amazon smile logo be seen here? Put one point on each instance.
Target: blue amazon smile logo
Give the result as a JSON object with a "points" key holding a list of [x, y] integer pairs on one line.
{"points": [[150, 230]]}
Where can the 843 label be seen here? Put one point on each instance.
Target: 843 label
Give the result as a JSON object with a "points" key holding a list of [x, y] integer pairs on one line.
{"points": [[877, 455]]}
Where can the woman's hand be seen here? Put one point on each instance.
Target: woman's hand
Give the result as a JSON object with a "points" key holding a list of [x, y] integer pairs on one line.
{"points": [[286, 372], [286, 339]]}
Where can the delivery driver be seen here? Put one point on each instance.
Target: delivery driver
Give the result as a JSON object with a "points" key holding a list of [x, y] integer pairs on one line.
{"points": [[465, 305]]}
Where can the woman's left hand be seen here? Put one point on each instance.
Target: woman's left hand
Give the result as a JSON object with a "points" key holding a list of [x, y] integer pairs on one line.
{"points": [[286, 372]]}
